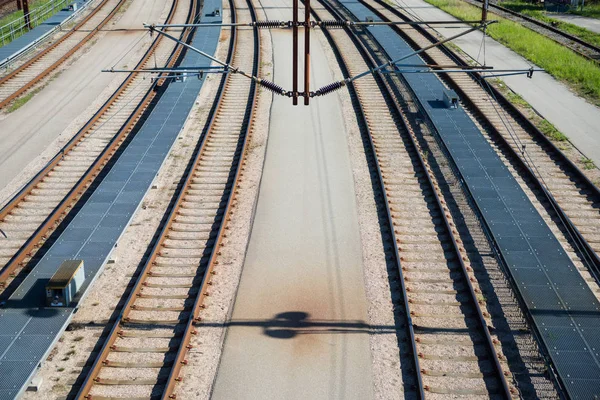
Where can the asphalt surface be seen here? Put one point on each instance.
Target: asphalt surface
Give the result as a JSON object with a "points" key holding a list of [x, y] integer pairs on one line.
{"points": [[298, 326], [592, 24], [572, 115], [26, 132]]}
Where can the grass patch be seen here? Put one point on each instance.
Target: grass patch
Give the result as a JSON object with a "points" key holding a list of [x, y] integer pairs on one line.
{"points": [[21, 101], [587, 163], [542, 124], [550, 131], [36, 8], [581, 75], [589, 10], [516, 99], [537, 11]]}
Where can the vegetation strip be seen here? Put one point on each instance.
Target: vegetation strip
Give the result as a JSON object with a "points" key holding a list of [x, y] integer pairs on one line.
{"points": [[537, 11], [591, 10], [581, 75], [37, 9]]}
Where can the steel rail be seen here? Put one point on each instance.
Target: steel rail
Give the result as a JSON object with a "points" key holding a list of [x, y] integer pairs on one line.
{"points": [[553, 29], [62, 59], [231, 189], [588, 254], [590, 257], [202, 293], [386, 87], [61, 210]]}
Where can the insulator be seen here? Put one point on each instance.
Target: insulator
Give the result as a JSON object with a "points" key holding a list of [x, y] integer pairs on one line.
{"points": [[334, 23], [270, 24], [273, 87], [332, 87]]}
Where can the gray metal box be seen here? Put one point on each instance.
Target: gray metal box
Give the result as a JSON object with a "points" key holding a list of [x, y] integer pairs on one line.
{"points": [[65, 283], [450, 98]]}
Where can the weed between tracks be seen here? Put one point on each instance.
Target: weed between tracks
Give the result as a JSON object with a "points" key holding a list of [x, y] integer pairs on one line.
{"points": [[21, 101], [587, 163], [581, 75]]}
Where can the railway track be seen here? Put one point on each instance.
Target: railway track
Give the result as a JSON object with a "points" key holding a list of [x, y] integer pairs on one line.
{"points": [[566, 198], [31, 216], [578, 45], [33, 71], [447, 330], [148, 345]]}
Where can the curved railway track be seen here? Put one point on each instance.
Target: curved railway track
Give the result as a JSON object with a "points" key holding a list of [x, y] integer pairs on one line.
{"points": [[447, 330], [569, 200], [34, 70], [148, 345], [578, 45], [31, 216]]}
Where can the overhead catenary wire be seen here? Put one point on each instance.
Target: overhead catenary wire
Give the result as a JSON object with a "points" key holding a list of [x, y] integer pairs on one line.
{"points": [[275, 88]]}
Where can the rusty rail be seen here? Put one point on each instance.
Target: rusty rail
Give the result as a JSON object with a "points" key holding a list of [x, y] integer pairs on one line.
{"points": [[387, 85], [184, 344], [61, 210], [61, 60], [588, 253]]}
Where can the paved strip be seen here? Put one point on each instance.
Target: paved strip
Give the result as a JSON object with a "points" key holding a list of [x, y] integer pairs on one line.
{"points": [[593, 24], [564, 309], [297, 330], [37, 34], [28, 331]]}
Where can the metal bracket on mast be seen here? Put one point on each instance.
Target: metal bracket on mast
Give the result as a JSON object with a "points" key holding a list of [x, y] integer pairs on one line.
{"points": [[392, 66]]}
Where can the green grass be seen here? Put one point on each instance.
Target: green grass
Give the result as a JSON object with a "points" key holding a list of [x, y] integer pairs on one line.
{"points": [[590, 10], [516, 99], [581, 75], [587, 163], [18, 15], [537, 11], [550, 131], [21, 101]]}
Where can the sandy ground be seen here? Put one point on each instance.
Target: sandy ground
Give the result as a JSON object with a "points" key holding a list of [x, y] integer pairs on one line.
{"points": [[298, 328], [33, 134]]}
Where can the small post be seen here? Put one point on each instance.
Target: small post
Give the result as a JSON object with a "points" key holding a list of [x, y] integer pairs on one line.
{"points": [[306, 52], [295, 53], [26, 13], [19, 5], [484, 11]]}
